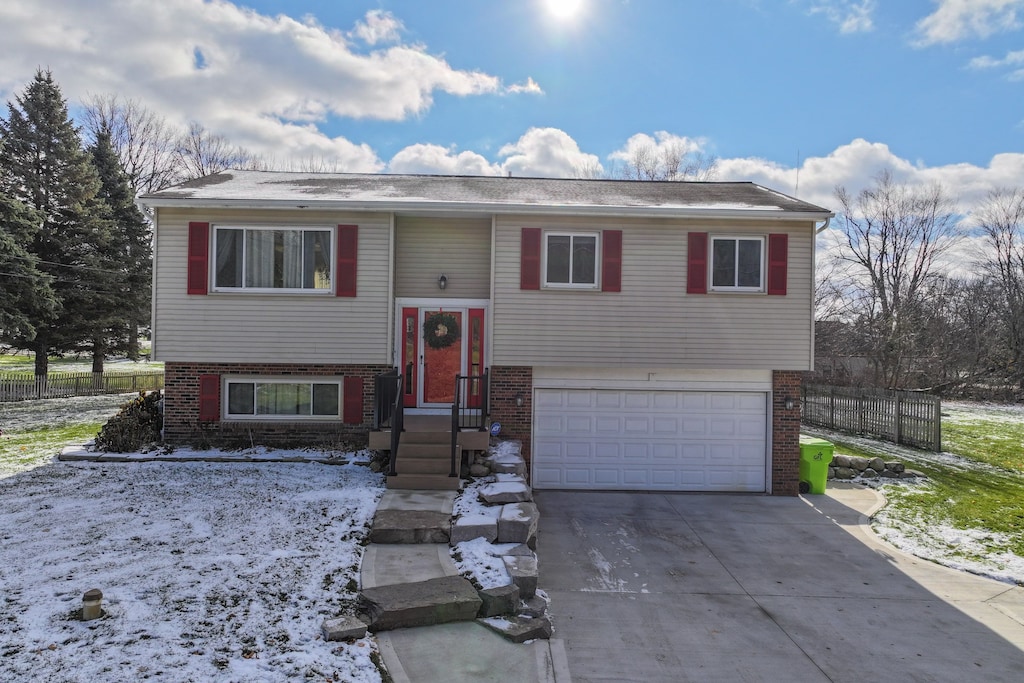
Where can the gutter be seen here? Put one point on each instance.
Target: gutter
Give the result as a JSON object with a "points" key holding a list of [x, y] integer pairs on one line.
{"points": [[820, 230], [427, 207]]}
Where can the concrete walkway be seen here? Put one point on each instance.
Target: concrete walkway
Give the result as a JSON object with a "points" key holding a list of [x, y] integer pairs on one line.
{"points": [[681, 587], [454, 652]]}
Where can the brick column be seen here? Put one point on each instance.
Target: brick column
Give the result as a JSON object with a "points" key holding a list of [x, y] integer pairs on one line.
{"points": [[785, 433], [507, 383]]}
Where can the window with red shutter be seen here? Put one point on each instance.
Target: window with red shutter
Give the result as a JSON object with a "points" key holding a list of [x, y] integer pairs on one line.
{"points": [[209, 398], [778, 263], [198, 257], [697, 263], [611, 261], [529, 259], [348, 256]]}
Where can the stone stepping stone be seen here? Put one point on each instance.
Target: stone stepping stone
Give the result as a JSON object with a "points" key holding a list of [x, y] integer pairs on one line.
{"points": [[410, 526], [518, 523], [508, 489], [424, 603], [520, 629]]}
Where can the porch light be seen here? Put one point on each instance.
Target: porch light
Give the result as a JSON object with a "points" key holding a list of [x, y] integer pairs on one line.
{"points": [[519, 400], [442, 281], [789, 403]]}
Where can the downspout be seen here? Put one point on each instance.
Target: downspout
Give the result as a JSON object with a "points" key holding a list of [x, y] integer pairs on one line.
{"points": [[818, 231]]}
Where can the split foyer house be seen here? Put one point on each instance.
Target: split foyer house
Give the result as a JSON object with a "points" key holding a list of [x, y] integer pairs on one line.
{"points": [[633, 335]]}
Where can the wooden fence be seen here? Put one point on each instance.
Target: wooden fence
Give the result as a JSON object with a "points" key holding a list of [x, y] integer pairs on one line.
{"points": [[903, 417], [19, 386]]}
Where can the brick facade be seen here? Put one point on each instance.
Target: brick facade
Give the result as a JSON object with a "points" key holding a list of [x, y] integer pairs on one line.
{"points": [[508, 382], [181, 407], [785, 433]]}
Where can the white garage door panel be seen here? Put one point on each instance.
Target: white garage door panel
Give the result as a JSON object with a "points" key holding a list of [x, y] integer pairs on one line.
{"points": [[650, 440]]}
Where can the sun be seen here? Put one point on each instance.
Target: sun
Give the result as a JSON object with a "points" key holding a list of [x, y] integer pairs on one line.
{"points": [[563, 9]]}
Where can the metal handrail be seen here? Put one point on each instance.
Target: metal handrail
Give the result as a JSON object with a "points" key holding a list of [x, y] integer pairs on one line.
{"points": [[465, 416], [389, 410]]}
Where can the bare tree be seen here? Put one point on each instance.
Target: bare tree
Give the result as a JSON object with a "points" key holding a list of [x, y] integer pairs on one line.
{"points": [[200, 153], [142, 139], [1001, 220], [669, 160], [894, 235]]}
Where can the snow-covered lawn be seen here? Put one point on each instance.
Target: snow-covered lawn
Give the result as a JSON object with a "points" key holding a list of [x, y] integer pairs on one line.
{"points": [[208, 571]]}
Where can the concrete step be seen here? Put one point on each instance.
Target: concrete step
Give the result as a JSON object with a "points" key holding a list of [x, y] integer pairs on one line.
{"points": [[410, 526], [423, 603], [425, 465], [408, 451], [426, 437], [432, 482]]}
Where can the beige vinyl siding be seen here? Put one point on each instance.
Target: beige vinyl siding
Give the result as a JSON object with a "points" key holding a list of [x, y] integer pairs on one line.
{"points": [[286, 328], [460, 248], [653, 322]]}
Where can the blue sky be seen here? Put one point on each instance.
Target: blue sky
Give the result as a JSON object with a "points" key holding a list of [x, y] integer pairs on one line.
{"points": [[931, 89]]}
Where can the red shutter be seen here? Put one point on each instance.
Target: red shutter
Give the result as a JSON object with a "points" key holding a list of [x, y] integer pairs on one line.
{"points": [[198, 257], [348, 255], [410, 354], [611, 261], [529, 259], [778, 257], [697, 263], [209, 398], [352, 413], [475, 332]]}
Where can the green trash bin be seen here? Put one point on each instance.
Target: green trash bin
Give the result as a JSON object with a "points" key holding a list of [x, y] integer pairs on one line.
{"points": [[815, 456]]}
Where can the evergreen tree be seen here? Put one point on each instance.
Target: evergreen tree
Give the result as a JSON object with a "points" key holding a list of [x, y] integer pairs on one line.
{"points": [[27, 293], [131, 244], [43, 165]]}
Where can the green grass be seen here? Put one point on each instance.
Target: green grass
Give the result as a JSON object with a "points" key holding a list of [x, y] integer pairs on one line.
{"points": [[24, 449], [964, 497]]}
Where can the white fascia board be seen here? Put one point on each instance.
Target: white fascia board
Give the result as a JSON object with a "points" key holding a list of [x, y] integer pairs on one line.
{"points": [[420, 208]]}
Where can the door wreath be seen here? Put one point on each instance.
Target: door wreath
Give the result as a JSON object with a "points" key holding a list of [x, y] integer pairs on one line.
{"points": [[440, 330]]}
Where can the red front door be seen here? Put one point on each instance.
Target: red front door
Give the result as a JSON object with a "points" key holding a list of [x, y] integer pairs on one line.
{"points": [[438, 344]]}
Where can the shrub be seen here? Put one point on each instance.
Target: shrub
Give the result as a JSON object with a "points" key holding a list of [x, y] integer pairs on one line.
{"points": [[137, 424]]}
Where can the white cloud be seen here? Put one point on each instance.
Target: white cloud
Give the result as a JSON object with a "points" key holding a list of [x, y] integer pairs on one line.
{"points": [[548, 153], [1014, 61], [378, 27], [261, 81], [434, 159], [956, 20], [855, 165], [663, 142], [851, 16], [530, 86]]}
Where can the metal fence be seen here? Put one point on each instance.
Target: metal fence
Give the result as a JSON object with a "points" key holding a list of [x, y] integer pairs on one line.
{"points": [[903, 417], [19, 386]]}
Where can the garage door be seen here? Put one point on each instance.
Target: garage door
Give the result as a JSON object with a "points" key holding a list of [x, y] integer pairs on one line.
{"points": [[649, 440]]}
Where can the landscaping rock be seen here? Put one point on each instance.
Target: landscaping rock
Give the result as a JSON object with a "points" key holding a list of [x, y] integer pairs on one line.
{"points": [[410, 526], [343, 628], [518, 524], [521, 550], [523, 571], [889, 474], [511, 490], [520, 629], [845, 473], [911, 474], [841, 461], [896, 467], [423, 603], [503, 600], [859, 464], [535, 607], [481, 525], [877, 464], [869, 473], [479, 469]]}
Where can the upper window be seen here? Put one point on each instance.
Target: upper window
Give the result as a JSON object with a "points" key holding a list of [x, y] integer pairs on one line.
{"points": [[570, 260], [273, 259], [283, 399], [737, 263]]}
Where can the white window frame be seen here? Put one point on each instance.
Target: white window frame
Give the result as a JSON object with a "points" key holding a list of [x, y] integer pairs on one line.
{"points": [[331, 260], [762, 265], [228, 416], [572, 235]]}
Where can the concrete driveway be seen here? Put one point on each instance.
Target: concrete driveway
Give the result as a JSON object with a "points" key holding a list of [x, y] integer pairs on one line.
{"points": [[681, 587]]}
